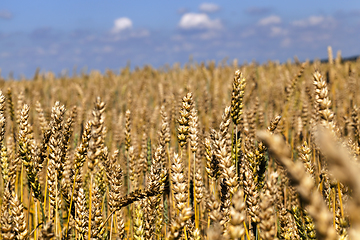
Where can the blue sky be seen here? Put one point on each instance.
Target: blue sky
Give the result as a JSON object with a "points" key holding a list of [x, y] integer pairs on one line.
{"points": [[57, 35]]}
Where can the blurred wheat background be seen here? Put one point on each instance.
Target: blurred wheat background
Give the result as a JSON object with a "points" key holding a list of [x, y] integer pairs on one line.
{"points": [[204, 151]]}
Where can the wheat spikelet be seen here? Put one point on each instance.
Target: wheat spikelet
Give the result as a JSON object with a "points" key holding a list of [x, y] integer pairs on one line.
{"points": [[304, 111], [138, 221], [237, 96], [183, 129], [251, 119], [212, 164], [355, 124], [132, 168], [2, 104], [252, 196], [7, 226], [11, 112], [323, 101], [142, 161], [193, 130], [82, 215], [199, 187], [179, 223], [56, 139], [305, 156], [44, 125], [97, 134], [115, 182], [224, 126], [120, 224], [2, 117], [14, 162], [237, 213], [17, 210], [267, 214], [164, 134], [295, 211], [267, 225], [7, 219], [127, 130], [118, 132], [97, 221], [309, 226], [4, 158], [156, 179], [226, 165], [42, 149], [82, 149], [28, 152], [213, 208], [214, 233], [179, 183], [79, 160], [55, 165], [67, 132], [4, 165], [19, 105], [290, 89], [274, 123]]}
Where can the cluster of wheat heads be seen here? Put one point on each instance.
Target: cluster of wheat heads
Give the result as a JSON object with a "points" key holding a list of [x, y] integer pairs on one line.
{"points": [[201, 152]]}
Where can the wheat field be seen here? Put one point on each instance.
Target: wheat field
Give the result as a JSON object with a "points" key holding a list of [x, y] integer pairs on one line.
{"points": [[203, 151]]}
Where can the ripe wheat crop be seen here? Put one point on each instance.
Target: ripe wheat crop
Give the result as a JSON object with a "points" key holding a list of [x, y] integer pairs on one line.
{"points": [[203, 151]]}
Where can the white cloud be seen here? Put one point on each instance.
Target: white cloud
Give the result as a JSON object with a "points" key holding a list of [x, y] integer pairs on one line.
{"points": [[134, 33], [278, 31], [5, 54], [273, 19], [285, 42], [208, 35], [122, 24], [103, 49], [209, 7], [4, 14], [51, 51], [312, 21], [139, 33], [191, 21], [107, 49], [184, 46]]}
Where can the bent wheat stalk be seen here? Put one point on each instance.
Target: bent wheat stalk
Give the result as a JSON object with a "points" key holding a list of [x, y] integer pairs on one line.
{"points": [[345, 169], [302, 181]]}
